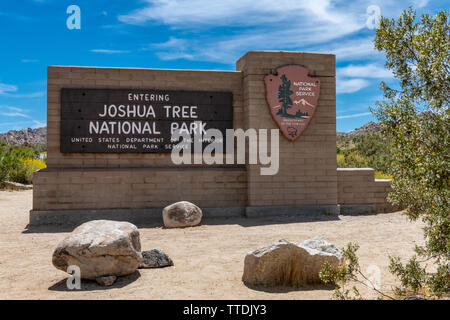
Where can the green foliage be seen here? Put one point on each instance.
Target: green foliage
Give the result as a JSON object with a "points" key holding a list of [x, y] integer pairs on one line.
{"points": [[23, 172], [17, 163], [284, 94], [416, 122], [411, 276], [372, 150], [417, 118], [350, 271]]}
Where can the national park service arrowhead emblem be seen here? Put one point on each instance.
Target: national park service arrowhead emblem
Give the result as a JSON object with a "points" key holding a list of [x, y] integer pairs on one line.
{"points": [[292, 97]]}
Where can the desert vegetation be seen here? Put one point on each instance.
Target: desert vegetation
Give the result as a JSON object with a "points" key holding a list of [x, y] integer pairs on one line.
{"points": [[17, 163], [415, 118], [369, 150]]}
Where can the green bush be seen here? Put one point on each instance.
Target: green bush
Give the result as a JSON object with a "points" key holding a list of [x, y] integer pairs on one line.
{"points": [[23, 173], [372, 150], [17, 163], [416, 118]]}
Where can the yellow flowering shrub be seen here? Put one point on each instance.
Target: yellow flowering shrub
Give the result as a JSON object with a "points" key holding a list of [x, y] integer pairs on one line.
{"points": [[381, 175], [32, 165], [25, 168]]}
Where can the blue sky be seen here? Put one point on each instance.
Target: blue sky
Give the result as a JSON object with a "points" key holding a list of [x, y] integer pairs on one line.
{"points": [[195, 34]]}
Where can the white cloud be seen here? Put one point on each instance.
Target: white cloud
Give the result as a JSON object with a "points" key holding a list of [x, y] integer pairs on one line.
{"points": [[351, 49], [7, 88], [192, 13], [420, 3], [299, 25], [172, 43], [17, 125], [8, 111], [38, 124], [353, 78], [355, 115], [14, 114], [107, 51], [229, 48], [364, 71], [13, 108], [29, 60], [36, 94], [265, 25], [350, 85]]}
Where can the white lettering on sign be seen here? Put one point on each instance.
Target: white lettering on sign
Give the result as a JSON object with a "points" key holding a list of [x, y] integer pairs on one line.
{"points": [[148, 97], [128, 111], [184, 112], [123, 127], [110, 120], [191, 128], [304, 88]]}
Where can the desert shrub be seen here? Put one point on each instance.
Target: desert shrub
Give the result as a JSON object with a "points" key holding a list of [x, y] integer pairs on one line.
{"points": [[371, 150], [23, 172], [340, 160], [416, 117], [17, 163], [381, 175], [376, 149]]}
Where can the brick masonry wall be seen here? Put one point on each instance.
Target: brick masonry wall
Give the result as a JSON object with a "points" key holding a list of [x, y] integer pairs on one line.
{"points": [[358, 186], [61, 189], [307, 174]]}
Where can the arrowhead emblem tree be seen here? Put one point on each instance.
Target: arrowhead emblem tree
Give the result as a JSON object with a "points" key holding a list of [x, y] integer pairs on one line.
{"points": [[292, 97], [284, 94]]}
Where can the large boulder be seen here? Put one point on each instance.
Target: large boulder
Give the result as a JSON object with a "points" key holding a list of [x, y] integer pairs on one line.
{"points": [[100, 248], [181, 214], [287, 264]]}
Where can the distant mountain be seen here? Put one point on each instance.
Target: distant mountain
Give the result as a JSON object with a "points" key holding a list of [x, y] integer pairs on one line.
{"points": [[39, 135], [367, 128], [25, 136]]}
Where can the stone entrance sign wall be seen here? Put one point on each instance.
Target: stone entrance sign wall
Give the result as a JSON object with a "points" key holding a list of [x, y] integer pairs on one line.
{"points": [[83, 183]]}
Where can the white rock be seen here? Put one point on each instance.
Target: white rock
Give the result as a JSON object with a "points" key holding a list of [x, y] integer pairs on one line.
{"points": [[288, 264], [100, 248], [181, 214], [319, 246]]}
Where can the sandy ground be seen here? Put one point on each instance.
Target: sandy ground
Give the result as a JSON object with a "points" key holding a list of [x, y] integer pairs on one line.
{"points": [[208, 258]]}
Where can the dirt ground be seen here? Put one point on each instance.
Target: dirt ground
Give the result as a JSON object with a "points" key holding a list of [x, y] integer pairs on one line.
{"points": [[208, 258]]}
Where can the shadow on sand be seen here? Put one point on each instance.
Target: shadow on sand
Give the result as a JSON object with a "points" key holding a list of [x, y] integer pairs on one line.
{"points": [[92, 285], [55, 228], [263, 221], [282, 289], [241, 221]]}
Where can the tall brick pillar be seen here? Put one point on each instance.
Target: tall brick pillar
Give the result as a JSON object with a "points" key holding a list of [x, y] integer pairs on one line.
{"points": [[307, 178]]}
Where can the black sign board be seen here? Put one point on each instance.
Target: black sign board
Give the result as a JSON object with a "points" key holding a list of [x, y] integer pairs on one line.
{"points": [[135, 120]]}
